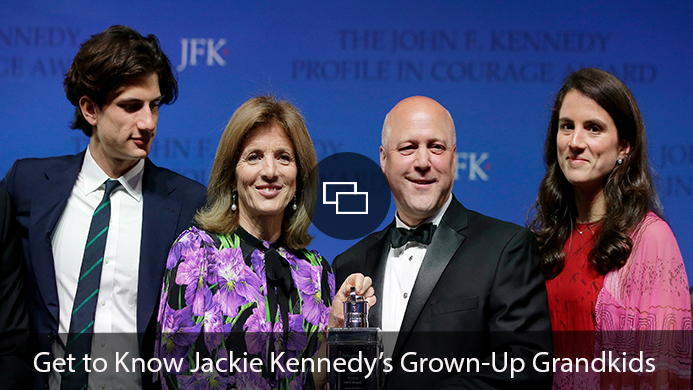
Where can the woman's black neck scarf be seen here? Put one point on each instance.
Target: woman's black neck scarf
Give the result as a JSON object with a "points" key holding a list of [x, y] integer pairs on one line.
{"points": [[279, 286]]}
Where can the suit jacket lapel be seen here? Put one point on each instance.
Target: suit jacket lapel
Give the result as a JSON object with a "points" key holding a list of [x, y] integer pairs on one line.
{"points": [[159, 222], [47, 206], [446, 241]]}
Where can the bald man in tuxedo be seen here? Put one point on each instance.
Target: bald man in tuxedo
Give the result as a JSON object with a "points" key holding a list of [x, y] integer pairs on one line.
{"points": [[452, 282]]}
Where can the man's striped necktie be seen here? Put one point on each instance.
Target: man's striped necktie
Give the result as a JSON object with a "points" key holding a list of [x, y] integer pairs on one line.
{"points": [[83, 309]]}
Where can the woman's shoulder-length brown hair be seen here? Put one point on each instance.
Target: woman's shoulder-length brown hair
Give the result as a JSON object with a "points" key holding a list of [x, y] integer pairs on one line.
{"points": [[217, 216]]}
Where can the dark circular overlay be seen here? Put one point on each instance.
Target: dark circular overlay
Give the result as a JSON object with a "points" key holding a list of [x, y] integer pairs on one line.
{"points": [[352, 198]]}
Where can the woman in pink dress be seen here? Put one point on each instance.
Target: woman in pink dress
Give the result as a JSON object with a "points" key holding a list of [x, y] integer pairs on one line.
{"points": [[616, 281]]}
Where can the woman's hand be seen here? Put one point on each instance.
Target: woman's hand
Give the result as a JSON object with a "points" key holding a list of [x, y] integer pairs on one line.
{"points": [[363, 288]]}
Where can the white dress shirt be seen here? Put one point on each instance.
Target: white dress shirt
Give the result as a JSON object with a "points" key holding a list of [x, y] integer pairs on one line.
{"points": [[116, 308], [401, 270]]}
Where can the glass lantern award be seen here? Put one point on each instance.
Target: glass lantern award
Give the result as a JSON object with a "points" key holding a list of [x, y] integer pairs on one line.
{"points": [[356, 340]]}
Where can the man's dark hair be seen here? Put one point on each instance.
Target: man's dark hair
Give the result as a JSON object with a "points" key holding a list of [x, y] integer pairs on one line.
{"points": [[110, 61]]}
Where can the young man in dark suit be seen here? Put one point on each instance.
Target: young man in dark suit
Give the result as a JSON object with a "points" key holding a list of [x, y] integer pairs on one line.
{"points": [[453, 283], [96, 227]]}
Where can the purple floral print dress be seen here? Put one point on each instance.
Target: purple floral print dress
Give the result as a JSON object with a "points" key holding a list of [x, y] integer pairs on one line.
{"points": [[235, 310]]}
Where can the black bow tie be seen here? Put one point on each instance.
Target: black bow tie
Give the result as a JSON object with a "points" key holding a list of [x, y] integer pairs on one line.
{"points": [[422, 233]]}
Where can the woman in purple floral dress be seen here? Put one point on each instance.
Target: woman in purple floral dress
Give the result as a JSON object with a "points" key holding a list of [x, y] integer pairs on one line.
{"points": [[242, 298]]}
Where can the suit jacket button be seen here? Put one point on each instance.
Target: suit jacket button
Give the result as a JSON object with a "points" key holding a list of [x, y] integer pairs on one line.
{"points": [[51, 336]]}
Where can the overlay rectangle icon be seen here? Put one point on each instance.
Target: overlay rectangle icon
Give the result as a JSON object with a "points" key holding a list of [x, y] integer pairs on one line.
{"points": [[331, 188], [345, 196], [352, 202]]}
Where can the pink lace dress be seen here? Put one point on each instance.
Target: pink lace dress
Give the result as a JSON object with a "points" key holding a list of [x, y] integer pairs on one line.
{"points": [[643, 310]]}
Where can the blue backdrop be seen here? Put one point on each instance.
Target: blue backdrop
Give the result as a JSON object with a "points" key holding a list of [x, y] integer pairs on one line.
{"points": [[495, 65]]}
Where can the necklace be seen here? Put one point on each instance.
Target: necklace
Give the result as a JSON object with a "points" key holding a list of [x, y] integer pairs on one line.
{"points": [[588, 227]]}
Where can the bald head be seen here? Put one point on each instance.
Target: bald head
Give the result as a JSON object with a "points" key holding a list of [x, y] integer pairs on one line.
{"points": [[418, 157], [417, 109]]}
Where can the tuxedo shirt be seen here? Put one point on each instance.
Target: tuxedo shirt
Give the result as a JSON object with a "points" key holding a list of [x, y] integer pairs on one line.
{"points": [[401, 270]]}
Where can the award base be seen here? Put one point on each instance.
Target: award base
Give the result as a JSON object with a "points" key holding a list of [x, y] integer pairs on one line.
{"points": [[355, 343]]}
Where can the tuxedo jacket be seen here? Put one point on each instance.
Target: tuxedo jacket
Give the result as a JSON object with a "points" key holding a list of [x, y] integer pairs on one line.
{"points": [[479, 294], [40, 188]]}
